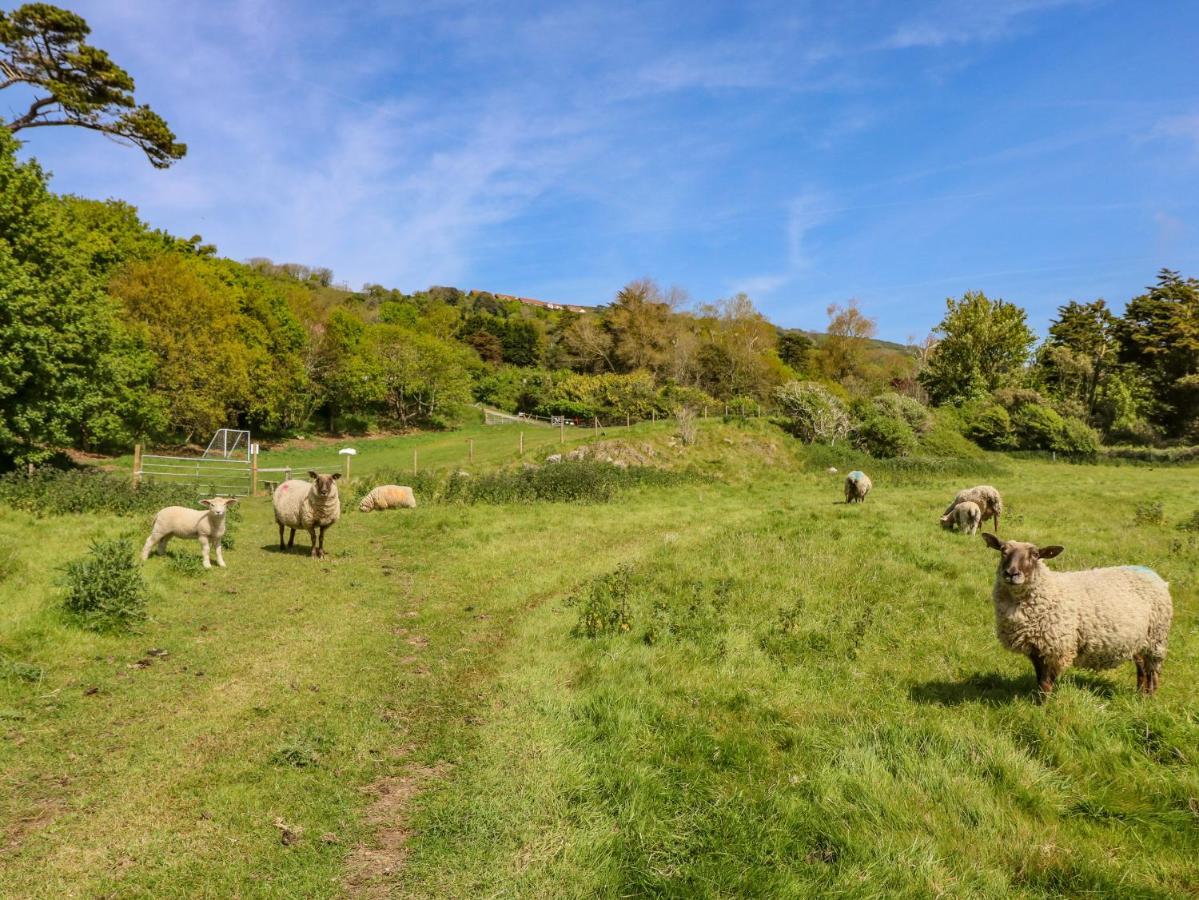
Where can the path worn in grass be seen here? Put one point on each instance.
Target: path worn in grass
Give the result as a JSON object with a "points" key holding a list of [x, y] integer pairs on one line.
{"points": [[808, 699]]}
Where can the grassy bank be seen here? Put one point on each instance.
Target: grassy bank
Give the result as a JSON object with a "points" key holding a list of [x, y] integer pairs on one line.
{"points": [[788, 697]]}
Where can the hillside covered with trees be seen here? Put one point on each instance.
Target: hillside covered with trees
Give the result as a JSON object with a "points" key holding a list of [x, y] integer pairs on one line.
{"points": [[113, 332]]}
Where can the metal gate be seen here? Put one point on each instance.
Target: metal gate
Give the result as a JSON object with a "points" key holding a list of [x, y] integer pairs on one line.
{"points": [[210, 477]]}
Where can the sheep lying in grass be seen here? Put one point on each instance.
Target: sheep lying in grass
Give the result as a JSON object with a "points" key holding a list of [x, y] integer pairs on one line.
{"points": [[985, 496], [388, 496], [966, 516], [310, 506], [857, 486], [1095, 618], [206, 525]]}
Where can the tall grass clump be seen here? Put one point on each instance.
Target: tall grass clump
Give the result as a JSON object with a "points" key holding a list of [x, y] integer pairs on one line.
{"points": [[569, 481], [105, 590], [53, 492]]}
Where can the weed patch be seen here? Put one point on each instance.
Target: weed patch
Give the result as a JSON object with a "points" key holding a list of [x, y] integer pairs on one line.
{"points": [[54, 493], [105, 590]]}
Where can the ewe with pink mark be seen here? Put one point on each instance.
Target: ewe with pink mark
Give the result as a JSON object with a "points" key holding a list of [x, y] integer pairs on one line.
{"points": [[308, 505]]}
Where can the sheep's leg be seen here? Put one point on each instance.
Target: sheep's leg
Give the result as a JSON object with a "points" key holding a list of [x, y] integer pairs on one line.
{"points": [[162, 545], [151, 541], [323, 541], [1045, 675], [220, 558], [1153, 674], [996, 517], [1142, 675], [282, 546], [316, 554], [204, 550], [291, 539]]}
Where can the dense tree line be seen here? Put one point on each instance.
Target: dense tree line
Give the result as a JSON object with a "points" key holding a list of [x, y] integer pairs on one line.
{"points": [[112, 332]]}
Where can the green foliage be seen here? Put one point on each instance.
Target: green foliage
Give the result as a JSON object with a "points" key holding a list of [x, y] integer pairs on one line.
{"points": [[54, 492], [604, 605], [1150, 512], [983, 345], [105, 590], [1038, 427], [815, 414], [1157, 455], [19, 670], [302, 749], [1191, 523], [884, 437], [43, 49], [989, 426]]}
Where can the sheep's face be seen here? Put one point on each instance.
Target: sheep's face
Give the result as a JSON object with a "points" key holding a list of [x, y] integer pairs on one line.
{"points": [[218, 505], [947, 520], [324, 484], [1019, 563]]}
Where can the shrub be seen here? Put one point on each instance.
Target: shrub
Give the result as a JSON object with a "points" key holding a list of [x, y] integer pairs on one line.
{"points": [[688, 427], [1158, 455], [105, 589], [52, 492], [1077, 438], [908, 409], [989, 426], [885, 437], [604, 608], [814, 413], [1150, 513], [1190, 524], [1037, 427]]}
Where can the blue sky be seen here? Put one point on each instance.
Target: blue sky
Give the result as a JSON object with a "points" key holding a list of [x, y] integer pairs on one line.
{"points": [[806, 153]]}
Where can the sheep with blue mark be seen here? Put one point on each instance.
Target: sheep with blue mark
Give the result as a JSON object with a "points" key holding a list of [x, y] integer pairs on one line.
{"points": [[857, 486], [1094, 618]]}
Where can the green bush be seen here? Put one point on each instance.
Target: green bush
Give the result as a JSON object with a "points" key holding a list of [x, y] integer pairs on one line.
{"points": [[989, 426], [50, 492], [814, 414], [105, 588], [1157, 455], [1037, 427], [604, 605], [908, 409], [885, 437], [1077, 438]]}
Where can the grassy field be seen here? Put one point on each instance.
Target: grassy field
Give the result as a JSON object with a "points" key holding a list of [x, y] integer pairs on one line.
{"points": [[785, 696]]}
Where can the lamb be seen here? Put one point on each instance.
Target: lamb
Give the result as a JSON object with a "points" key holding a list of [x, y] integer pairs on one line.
{"points": [[206, 525], [308, 505], [857, 486], [388, 496], [966, 516], [1095, 618], [985, 496]]}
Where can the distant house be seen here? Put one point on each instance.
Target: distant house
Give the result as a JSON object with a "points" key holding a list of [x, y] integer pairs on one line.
{"points": [[546, 304]]}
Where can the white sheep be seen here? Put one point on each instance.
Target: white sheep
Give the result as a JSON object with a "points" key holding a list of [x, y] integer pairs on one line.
{"points": [[832, 470], [388, 496], [310, 506], [857, 486], [206, 525], [985, 496], [966, 516], [1095, 618]]}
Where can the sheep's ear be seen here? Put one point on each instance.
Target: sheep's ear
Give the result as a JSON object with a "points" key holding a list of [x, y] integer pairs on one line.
{"points": [[312, 475], [336, 475], [992, 541], [229, 500], [1049, 552], [207, 503]]}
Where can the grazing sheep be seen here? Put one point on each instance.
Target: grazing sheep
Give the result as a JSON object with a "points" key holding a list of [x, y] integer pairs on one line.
{"points": [[207, 525], [309, 506], [388, 496], [986, 497], [832, 470], [966, 516], [1095, 618], [857, 486]]}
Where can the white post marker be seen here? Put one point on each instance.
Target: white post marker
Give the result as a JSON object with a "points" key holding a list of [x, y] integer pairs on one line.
{"points": [[347, 452]]}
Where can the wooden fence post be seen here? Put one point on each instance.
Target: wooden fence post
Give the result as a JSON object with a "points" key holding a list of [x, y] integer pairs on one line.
{"points": [[562, 430], [522, 443], [254, 472], [414, 470], [347, 474], [654, 414], [137, 465], [471, 449], [597, 426]]}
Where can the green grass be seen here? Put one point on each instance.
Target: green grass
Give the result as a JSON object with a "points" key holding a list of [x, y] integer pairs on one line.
{"points": [[808, 699]]}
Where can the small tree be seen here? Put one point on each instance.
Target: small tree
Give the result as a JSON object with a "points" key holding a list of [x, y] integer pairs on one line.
{"points": [[984, 345], [42, 47], [815, 414]]}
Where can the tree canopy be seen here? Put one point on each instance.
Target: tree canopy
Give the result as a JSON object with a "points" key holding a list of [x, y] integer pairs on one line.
{"points": [[43, 49]]}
